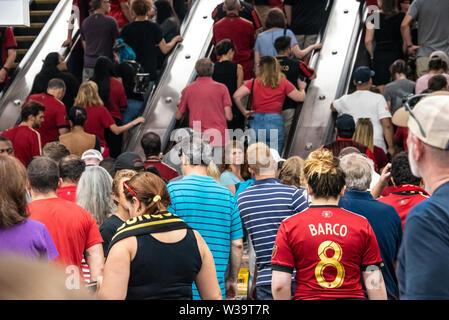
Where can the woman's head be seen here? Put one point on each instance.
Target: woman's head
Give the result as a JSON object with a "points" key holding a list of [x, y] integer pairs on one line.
{"points": [[364, 133], [234, 154], [146, 193], [94, 193], [275, 19], [292, 172], [88, 95], [104, 68], [269, 72], [117, 186], [224, 46], [388, 7], [437, 64], [399, 67], [324, 177], [78, 116], [13, 191], [55, 62]]}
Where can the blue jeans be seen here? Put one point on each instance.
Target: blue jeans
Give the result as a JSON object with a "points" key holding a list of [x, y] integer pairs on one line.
{"points": [[267, 126], [133, 110]]}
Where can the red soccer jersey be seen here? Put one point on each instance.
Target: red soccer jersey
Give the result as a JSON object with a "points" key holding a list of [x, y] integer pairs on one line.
{"points": [[328, 246], [242, 33], [404, 198], [72, 228], [67, 193], [117, 98], [55, 117], [98, 119], [165, 171], [26, 143]]}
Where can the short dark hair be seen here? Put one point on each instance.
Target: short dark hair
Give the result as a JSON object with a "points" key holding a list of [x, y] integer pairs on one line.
{"points": [[151, 144], [436, 63], [95, 4], [140, 7], [401, 172], [78, 115], [283, 43], [55, 150], [224, 46], [56, 83], [43, 175], [71, 168], [32, 108], [437, 82], [109, 165], [275, 19]]}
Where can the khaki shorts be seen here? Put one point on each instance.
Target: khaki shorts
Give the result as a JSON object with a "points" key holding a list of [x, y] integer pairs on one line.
{"points": [[422, 66]]}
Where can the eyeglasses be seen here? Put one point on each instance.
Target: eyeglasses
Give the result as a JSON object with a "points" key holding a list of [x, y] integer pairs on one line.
{"points": [[409, 103], [7, 150]]}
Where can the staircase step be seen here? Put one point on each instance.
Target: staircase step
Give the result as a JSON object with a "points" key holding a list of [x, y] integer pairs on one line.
{"points": [[25, 38], [32, 25], [46, 1], [41, 12], [21, 51]]}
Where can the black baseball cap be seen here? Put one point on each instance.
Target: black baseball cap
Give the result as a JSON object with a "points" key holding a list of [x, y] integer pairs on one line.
{"points": [[130, 161], [363, 74], [345, 122]]}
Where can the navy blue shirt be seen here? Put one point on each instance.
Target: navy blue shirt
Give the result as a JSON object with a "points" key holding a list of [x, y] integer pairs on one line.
{"points": [[423, 262], [387, 227]]}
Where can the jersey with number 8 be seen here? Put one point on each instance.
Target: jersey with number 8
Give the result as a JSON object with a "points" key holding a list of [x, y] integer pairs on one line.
{"points": [[328, 246]]}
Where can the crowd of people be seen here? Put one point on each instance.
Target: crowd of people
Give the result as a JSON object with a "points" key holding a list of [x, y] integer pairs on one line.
{"points": [[362, 217]]}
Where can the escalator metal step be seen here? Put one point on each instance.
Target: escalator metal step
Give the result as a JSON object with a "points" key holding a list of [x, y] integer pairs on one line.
{"points": [[34, 25], [46, 1], [25, 38], [41, 12]]}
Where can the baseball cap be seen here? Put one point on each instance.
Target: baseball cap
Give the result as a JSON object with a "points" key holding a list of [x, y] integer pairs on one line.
{"points": [[363, 74], [130, 161], [345, 122], [430, 120], [92, 153], [275, 155], [441, 55]]}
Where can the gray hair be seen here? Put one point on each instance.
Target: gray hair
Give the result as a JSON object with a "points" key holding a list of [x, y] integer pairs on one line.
{"points": [[94, 193], [196, 149], [231, 5], [204, 67], [358, 170]]}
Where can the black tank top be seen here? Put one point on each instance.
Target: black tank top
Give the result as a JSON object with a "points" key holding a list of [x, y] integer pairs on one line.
{"points": [[226, 72], [164, 270]]}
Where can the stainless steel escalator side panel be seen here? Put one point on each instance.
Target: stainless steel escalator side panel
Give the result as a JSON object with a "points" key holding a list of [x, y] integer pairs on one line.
{"points": [[49, 40], [179, 72], [333, 67]]}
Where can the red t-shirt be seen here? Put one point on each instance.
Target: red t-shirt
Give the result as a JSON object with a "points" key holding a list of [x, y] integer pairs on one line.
{"points": [[206, 99], [328, 246], [404, 198], [98, 119], [26, 143], [67, 193], [72, 228], [117, 98], [242, 33], [401, 137], [117, 13], [55, 117], [165, 171], [267, 100], [8, 41]]}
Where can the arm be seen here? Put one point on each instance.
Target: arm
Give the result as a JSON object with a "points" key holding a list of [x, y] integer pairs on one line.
{"points": [[166, 47], [409, 48], [95, 260], [375, 285], [240, 76], [369, 37], [241, 92], [376, 192], [114, 284], [302, 53], [288, 13], [228, 113], [235, 261], [281, 283], [333, 108], [12, 53], [206, 280], [299, 95], [387, 127], [124, 6], [120, 129], [256, 61]]}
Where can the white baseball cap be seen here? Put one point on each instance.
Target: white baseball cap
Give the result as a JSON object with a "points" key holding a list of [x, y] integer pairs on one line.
{"points": [[92, 153], [275, 155]]}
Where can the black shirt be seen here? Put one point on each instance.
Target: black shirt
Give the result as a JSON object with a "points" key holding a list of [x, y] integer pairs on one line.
{"points": [[388, 37], [308, 16], [143, 37], [107, 231]]}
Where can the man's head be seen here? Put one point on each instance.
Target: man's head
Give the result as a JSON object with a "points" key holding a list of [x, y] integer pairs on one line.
{"points": [[194, 151], [204, 67], [100, 6], [345, 126], [363, 77], [71, 168], [141, 7], [33, 114], [151, 144], [6, 146], [260, 160], [92, 157], [283, 45], [358, 171], [130, 161], [43, 175], [56, 87], [231, 6], [401, 172], [438, 83], [55, 150]]}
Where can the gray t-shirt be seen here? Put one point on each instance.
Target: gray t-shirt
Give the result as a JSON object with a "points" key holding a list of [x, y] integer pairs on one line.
{"points": [[433, 30], [395, 91]]}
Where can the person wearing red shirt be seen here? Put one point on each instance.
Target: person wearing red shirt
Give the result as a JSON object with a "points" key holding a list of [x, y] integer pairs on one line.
{"points": [[55, 122], [330, 248], [73, 229], [247, 11], [151, 145], [406, 193], [8, 54], [241, 32], [26, 141], [98, 117], [208, 103], [70, 170], [120, 12]]}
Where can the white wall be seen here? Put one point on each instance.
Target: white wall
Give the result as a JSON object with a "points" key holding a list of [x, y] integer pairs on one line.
{"points": [[14, 13]]}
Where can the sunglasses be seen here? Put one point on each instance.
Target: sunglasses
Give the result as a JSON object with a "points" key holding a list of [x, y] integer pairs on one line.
{"points": [[411, 102]]}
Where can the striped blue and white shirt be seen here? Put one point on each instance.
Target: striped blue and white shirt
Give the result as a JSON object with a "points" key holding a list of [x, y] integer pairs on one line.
{"points": [[262, 208], [209, 208]]}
